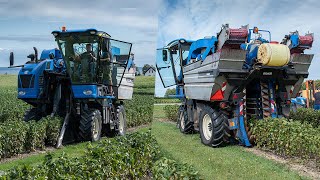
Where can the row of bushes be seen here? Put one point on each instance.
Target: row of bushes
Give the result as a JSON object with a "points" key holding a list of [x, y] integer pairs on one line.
{"points": [[171, 112], [287, 138], [166, 100], [306, 115], [134, 156], [139, 110], [17, 136], [10, 107]]}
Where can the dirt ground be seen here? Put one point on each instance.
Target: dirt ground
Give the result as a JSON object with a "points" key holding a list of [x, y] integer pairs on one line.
{"points": [[308, 169]]}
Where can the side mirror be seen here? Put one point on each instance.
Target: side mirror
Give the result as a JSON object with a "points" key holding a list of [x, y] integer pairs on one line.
{"points": [[11, 58], [165, 55]]}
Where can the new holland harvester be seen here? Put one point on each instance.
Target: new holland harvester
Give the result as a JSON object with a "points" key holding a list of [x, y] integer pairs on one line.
{"points": [[84, 81], [238, 75]]}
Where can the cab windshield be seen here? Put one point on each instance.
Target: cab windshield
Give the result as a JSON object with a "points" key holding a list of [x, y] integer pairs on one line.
{"points": [[81, 56], [94, 59]]}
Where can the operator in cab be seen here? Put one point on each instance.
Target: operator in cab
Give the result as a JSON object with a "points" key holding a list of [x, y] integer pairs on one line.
{"points": [[88, 64]]}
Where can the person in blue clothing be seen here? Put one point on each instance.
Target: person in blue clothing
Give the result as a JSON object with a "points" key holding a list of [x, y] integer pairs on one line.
{"points": [[317, 101]]}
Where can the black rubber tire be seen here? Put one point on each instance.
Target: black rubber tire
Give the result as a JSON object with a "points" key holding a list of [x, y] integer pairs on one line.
{"points": [[32, 114], [219, 124], [89, 120], [121, 115], [184, 124]]}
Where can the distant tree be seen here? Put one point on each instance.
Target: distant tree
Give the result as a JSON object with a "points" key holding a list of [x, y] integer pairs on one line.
{"points": [[170, 92], [146, 67], [316, 84]]}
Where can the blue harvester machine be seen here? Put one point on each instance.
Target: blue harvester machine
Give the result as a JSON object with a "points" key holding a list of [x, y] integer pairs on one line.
{"points": [[225, 80], [84, 81]]}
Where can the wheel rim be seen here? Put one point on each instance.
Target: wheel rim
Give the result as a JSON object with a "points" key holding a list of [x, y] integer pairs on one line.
{"points": [[121, 123], [95, 128], [207, 127], [182, 125]]}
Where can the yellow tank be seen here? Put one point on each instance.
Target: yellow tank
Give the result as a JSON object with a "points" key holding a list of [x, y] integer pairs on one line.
{"points": [[273, 54]]}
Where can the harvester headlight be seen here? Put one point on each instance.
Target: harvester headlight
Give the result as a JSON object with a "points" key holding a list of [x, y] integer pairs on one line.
{"points": [[87, 92], [55, 34], [21, 93], [26, 72], [92, 32], [182, 41]]}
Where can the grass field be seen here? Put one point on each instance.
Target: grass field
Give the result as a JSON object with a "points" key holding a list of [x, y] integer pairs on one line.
{"points": [[231, 162]]}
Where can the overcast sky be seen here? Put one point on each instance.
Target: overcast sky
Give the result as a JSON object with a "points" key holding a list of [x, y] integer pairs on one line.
{"points": [[194, 19], [24, 24]]}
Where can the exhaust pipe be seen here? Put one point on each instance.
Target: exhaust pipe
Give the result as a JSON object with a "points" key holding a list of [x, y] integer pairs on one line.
{"points": [[36, 54]]}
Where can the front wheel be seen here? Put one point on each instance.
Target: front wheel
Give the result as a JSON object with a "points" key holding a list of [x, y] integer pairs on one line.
{"points": [[214, 130], [90, 125], [184, 124]]}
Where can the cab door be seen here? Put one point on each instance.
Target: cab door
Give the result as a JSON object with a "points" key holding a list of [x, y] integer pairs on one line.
{"points": [[167, 66]]}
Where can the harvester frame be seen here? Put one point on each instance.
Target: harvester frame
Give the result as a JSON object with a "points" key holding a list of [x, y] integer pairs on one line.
{"points": [[223, 82]]}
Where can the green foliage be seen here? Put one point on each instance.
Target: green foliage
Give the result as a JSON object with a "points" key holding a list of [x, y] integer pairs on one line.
{"points": [[165, 100], [17, 136], [13, 135], [52, 129], [171, 112], [170, 92], [134, 156], [144, 82], [139, 110], [11, 108], [306, 115], [166, 168], [36, 135], [287, 138]]}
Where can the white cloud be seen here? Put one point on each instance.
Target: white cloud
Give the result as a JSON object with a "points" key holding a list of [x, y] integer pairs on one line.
{"points": [[132, 21]]}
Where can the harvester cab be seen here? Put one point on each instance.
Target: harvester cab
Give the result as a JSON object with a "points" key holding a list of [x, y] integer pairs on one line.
{"points": [[238, 75], [84, 81]]}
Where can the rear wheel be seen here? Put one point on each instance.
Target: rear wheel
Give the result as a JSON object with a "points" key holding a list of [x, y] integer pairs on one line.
{"points": [[90, 125], [214, 130], [32, 114]]}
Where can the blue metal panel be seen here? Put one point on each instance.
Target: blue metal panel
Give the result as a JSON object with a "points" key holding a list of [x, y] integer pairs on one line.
{"points": [[28, 93], [45, 54], [78, 91], [115, 50], [195, 48], [294, 40]]}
